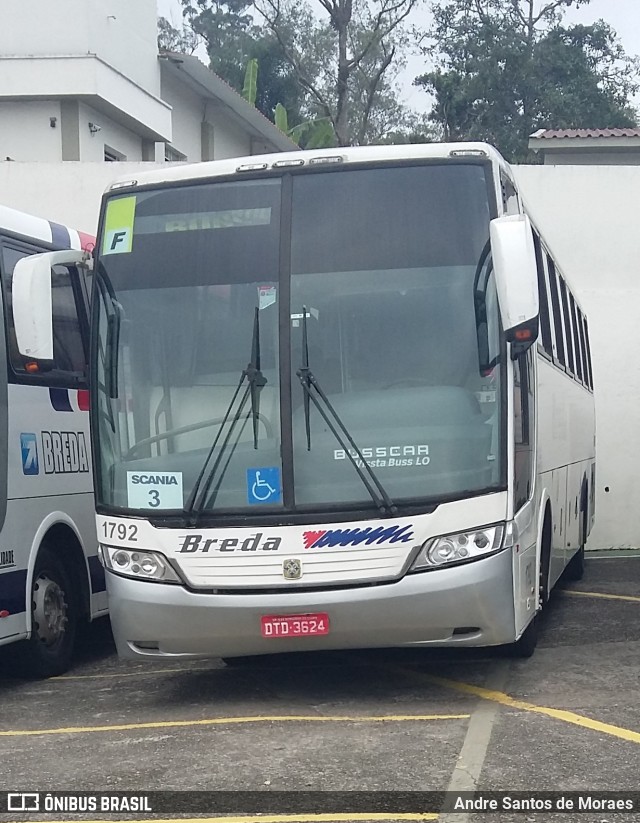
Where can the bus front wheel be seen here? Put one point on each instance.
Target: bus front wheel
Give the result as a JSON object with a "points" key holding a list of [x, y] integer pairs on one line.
{"points": [[54, 618], [525, 646]]}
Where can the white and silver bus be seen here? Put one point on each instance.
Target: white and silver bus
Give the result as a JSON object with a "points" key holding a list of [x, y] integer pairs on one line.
{"points": [[341, 398], [50, 577]]}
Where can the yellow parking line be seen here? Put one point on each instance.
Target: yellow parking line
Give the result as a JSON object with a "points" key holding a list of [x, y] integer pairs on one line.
{"points": [[283, 818], [224, 721], [557, 714], [603, 595]]}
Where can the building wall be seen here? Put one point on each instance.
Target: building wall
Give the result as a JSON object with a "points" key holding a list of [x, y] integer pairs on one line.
{"points": [[588, 214], [111, 134], [26, 132], [121, 32], [68, 193], [229, 140], [591, 158], [188, 112]]}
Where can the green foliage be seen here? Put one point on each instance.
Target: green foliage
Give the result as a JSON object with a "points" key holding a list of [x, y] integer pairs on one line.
{"points": [[281, 118], [345, 55], [504, 70], [314, 134], [182, 40], [225, 26], [250, 88], [233, 40]]}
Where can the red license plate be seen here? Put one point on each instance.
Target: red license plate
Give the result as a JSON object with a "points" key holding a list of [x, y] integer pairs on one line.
{"points": [[294, 625]]}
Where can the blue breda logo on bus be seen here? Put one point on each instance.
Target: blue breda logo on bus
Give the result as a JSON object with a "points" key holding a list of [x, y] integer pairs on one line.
{"points": [[60, 453], [29, 449], [357, 537]]}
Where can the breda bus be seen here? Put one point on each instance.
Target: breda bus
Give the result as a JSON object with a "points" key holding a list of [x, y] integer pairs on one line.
{"points": [[50, 577], [342, 398]]}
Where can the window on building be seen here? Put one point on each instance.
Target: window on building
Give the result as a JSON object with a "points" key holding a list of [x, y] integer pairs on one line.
{"points": [[113, 156], [172, 155]]}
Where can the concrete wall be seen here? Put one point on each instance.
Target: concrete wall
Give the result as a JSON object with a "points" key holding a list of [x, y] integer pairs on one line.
{"points": [[229, 140], [68, 193], [589, 216], [111, 134], [121, 32], [187, 113], [591, 158], [25, 130]]}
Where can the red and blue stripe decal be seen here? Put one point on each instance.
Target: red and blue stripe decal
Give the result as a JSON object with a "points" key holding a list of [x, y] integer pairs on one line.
{"points": [[47, 231], [69, 400]]}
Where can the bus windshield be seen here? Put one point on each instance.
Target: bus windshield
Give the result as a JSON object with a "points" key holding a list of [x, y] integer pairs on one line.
{"points": [[197, 282]]}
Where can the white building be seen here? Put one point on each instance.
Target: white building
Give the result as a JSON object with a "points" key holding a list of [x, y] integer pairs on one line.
{"points": [[81, 82]]}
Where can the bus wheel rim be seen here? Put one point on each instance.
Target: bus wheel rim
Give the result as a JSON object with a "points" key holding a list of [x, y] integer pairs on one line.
{"points": [[49, 610]]}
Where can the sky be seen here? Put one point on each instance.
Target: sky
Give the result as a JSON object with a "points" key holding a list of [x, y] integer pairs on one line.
{"points": [[622, 15]]}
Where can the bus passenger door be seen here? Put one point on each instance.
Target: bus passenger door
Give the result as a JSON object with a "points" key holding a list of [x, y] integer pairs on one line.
{"points": [[523, 489]]}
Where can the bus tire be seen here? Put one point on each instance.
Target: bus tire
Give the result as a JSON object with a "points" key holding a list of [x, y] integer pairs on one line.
{"points": [[54, 618], [575, 567], [525, 646]]}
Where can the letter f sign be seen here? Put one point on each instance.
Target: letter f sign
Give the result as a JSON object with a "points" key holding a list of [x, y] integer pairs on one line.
{"points": [[118, 241]]}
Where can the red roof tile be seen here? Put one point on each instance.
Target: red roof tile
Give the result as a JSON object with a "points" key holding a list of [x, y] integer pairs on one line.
{"points": [[546, 134]]}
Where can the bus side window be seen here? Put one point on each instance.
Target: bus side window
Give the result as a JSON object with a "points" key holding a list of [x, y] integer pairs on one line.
{"points": [[70, 325], [545, 318]]}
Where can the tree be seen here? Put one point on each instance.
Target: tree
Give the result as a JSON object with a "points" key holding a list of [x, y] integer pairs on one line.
{"points": [[344, 60], [233, 40], [505, 68], [183, 40]]}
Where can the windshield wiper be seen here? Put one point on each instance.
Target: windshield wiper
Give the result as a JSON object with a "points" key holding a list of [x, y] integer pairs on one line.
{"points": [[256, 381], [310, 383], [256, 378]]}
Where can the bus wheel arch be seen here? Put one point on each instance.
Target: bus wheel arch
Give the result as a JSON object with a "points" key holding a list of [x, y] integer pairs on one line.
{"points": [[59, 600]]}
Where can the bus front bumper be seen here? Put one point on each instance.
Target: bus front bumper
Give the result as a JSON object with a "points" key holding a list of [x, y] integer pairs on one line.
{"points": [[469, 605]]}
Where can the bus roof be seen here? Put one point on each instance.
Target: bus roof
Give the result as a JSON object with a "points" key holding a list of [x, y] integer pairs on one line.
{"points": [[29, 226], [189, 172]]}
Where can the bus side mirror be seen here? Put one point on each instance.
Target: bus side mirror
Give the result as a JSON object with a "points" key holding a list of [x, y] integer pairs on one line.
{"points": [[31, 299], [514, 264]]}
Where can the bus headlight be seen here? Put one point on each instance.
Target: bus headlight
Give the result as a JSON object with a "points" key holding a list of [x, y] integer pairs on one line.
{"points": [[458, 548], [137, 563]]}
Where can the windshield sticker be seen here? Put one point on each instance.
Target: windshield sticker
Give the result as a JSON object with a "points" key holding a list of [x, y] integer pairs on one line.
{"points": [[154, 490], [296, 318], [201, 221], [379, 457], [118, 229], [357, 537], [263, 485], [266, 296]]}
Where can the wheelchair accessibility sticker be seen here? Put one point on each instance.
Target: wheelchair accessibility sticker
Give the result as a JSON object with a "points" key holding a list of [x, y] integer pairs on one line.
{"points": [[263, 485]]}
